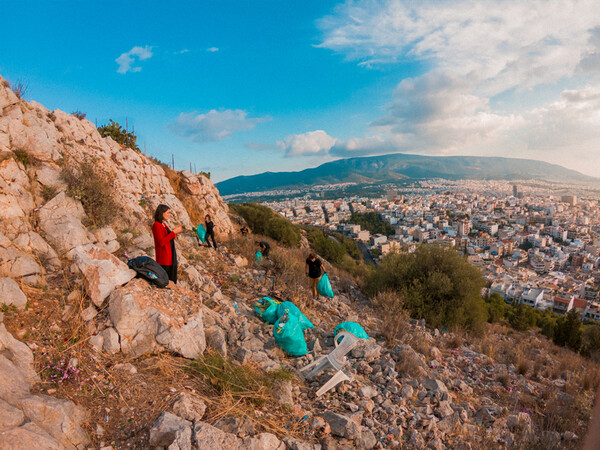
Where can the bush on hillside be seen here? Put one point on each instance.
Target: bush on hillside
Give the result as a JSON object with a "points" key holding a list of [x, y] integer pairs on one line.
{"points": [[569, 331], [495, 307], [436, 283], [263, 220], [119, 135], [93, 190]]}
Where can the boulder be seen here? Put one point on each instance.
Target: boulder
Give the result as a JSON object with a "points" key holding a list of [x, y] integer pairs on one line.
{"points": [[10, 416], [215, 339], [12, 293], [263, 441], [102, 271], [342, 426], [189, 407], [61, 419], [18, 354], [28, 436], [60, 219], [211, 438], [111, 343], [149, 319], [167, 427]]}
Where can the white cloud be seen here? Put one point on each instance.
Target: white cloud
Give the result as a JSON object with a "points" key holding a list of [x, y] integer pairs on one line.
{"points": [[212, 49], [488, 80], [311, 143], [126, 60], [213, 125], [499, 45]]}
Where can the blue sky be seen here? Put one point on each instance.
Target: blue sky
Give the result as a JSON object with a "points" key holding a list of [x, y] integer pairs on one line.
{"points": [[240, 87]]}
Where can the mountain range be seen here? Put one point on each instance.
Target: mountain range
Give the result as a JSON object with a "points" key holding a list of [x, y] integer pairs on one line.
{"points": [[400, 166]]}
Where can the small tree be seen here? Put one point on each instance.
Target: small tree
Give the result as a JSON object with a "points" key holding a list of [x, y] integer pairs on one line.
{"points": [[569, 331], [119, 135]]}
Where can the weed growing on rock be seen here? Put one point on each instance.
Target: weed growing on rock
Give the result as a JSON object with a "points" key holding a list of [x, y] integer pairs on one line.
{"points": [[19, 89], [21, 156], [79, 115], [94, 192]]}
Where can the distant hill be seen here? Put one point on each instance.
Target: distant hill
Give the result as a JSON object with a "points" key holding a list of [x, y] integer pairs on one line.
{"points": [[399, 166]]}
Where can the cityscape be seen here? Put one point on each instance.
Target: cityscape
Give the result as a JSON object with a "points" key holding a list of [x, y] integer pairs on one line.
{"points": [[536, 244]]}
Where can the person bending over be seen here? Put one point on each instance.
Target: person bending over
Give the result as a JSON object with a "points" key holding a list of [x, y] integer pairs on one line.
{"points": [[164, 241], [313, 270], [264, 248]]}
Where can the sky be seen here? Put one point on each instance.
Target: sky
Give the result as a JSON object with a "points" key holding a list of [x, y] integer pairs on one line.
{"points": [[243, 87]]}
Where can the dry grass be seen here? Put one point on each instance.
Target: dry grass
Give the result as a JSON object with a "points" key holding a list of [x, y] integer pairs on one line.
{"points": [[177, 181], [393, 315]]}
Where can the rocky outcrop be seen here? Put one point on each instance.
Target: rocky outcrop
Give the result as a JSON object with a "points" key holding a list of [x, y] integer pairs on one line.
{"points": [[33, 421], [12, 294], [102, 271], [149, 320]]}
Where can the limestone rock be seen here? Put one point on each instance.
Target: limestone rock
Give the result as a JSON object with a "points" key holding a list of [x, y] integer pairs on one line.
{"points": [[61, 419], [148, 320], [18, 354], [189, 408], [103, 272], [111, 343], [12, 294], [211, 438], [28, 436], [10, 416], [342, 425], [264, 441], [164, 430], [60, 219], [215, 339]]}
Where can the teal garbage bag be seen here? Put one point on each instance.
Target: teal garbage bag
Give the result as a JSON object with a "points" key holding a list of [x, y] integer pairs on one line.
{"points": [[353, 328], [258, 257], [201, 232], [324, 286], [293, 310], [289, 336], [266, 308]]}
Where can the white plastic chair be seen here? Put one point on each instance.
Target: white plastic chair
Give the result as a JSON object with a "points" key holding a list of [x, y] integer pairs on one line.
{"points": [[336, 359]]}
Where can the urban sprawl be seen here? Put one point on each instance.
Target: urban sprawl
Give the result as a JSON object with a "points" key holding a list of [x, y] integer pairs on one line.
{"points": [[537, 244]]}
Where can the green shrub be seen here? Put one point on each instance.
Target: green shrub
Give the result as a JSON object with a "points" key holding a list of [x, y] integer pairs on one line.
{"points": [[495, 306], [21, 156], [119, 135], [521, 317], [569, 331], [93, 190], [265, 221], [436, 283]]}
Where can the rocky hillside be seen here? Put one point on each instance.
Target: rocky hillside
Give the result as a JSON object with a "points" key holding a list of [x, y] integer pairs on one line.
{"points": [[91, 357]]}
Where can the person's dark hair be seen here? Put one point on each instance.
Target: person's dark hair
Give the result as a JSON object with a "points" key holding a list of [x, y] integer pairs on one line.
{"points": [[312, 256], [158, 214], [207, 217]]}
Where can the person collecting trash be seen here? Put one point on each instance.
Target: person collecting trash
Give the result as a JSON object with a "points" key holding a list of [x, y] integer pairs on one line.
{"points": [[314, 270]]}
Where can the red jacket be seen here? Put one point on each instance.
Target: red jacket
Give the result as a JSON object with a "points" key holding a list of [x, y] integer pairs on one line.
{"points": [[162, 244]]}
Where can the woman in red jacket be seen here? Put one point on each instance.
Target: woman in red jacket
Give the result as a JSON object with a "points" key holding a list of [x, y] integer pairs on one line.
{"points": [[164, 241]]}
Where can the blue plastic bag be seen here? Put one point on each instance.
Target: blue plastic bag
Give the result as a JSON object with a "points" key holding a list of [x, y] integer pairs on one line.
{"points": [[266, 308], [324, 286], [289, 336], [293, 310], [353, 328], [258, 257], [201, 232]]}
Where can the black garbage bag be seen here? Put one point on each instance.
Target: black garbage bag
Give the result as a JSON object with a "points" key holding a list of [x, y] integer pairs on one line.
{"points": [[150, 270]]}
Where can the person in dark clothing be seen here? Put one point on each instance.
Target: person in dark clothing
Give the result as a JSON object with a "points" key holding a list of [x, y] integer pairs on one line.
{"points": [[244, 230], [264, 248], [313, 270], [164, 241], [210, 231]]}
